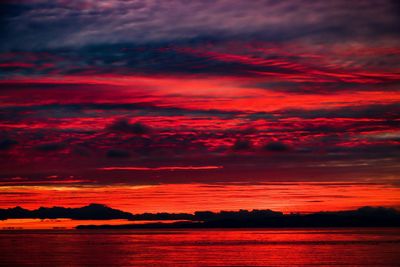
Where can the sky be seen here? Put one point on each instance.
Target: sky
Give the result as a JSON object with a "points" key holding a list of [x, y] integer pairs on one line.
{"points": [[149, 105]]}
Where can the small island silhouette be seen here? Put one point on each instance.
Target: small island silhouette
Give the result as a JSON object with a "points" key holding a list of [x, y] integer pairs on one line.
{"points": [[362, 217]]}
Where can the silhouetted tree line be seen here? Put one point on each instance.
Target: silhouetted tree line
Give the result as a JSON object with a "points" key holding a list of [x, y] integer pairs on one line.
{"points": [[90, 212], [362, 217]]}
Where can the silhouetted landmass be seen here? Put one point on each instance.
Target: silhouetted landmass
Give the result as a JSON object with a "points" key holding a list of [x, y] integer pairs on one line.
{"points": [[362, 217], [162, 216], [90, 212], [101, 212]]}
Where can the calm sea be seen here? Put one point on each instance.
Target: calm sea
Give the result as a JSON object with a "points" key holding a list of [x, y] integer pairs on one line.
{"points": [[248, 247]]}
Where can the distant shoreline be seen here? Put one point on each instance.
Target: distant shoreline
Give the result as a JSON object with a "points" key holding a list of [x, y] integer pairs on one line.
{"points": [[219, 225], [98, 216]]}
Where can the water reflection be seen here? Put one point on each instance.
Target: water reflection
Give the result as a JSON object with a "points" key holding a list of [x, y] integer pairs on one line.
{"points": [[259, 247]]}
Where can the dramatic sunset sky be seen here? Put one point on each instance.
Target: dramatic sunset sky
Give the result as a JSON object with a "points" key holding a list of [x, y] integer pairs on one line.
{"points": [[150, 105]]}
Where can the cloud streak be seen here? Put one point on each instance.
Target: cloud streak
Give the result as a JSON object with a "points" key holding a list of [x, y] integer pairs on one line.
{"points": [[163, 168]]}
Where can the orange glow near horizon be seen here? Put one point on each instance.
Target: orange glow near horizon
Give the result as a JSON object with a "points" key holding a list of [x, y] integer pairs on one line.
{"points": [[285, 197]]}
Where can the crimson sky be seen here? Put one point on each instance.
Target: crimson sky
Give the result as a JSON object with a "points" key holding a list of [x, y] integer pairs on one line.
{"points": [[190, 105]]}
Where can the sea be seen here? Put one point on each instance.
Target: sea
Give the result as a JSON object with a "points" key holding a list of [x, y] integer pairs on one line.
{"points": [[201, 247]]}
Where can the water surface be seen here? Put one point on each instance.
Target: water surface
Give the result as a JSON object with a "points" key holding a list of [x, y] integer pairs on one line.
{"points": [[203, 247]]}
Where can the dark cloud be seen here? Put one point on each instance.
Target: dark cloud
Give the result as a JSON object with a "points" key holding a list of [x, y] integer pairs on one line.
{"points": [[129, 59], [78, 109], [276, 147], [50, 147], [242, 145], [118, 153], [373, 111], [7, 144], [329, 88], [124, 126]]}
